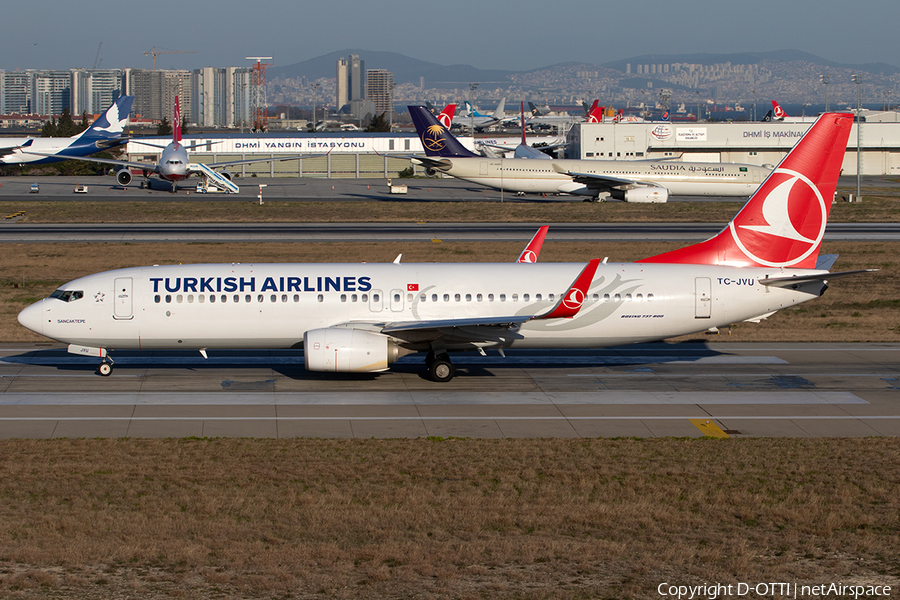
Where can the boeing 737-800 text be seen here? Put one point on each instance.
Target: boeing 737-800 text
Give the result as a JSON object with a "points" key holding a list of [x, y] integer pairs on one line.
{"points": [[361, 317]]}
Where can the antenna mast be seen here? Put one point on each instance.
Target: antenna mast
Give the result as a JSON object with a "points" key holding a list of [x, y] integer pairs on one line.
{"points": [[258, 100]]}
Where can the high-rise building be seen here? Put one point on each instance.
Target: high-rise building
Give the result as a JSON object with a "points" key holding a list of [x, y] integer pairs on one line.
{"points": [[380, 88], [93, 90], [357, 82], [155, 92], [51, 92], [15, 92], [342, 87]]}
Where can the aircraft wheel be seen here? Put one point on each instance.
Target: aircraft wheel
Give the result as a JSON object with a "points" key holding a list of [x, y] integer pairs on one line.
{"points": [[441, 369], [105, 369]]}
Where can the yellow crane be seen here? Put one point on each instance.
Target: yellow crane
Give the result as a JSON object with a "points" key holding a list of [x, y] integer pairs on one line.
{"points": [[154, 53]]}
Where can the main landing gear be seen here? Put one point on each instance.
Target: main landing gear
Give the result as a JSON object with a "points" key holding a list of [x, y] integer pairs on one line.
{"points": [[440, 369]]}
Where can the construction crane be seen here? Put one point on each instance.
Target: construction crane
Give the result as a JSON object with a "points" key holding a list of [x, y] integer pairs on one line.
{"points": [[154, 53]]}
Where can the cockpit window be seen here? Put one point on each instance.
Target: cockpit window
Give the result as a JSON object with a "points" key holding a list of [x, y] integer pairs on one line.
{"points": [[68, 295]]}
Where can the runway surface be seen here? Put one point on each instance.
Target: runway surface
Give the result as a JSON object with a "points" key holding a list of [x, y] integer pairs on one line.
{"points": [[649, 390], [20, 233]]}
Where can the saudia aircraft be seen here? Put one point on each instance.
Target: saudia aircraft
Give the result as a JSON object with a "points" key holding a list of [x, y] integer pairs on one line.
{"points": [[631, 180], [106, 132], [362, 317]]}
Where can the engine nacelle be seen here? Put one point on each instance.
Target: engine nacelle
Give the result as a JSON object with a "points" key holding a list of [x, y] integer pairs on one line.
{"points": [[226, 175], [340, 350], [647, 194], [123, 176], [431, 172]]}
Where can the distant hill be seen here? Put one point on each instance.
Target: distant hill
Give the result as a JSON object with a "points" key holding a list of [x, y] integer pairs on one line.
{"points": [[404, 68]]}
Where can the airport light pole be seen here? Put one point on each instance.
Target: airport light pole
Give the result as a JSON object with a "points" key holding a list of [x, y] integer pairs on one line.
{"points": [[825, 81], [315, 89], [857, 79], [472, 87]]}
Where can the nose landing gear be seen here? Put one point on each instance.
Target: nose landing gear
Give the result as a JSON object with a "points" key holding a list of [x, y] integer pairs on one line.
{"points": [[106, 367]]}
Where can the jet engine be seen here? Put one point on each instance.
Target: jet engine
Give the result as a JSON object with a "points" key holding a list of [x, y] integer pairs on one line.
{"points": [[431, 172], [644, 194], [340, 350], [226, 175], [123, 176]]}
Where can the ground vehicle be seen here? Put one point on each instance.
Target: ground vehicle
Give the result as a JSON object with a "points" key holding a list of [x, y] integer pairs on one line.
{"points": [[35, 189]]}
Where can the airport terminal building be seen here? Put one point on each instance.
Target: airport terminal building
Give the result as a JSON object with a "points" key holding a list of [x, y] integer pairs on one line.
{"points": [[756, 143]]}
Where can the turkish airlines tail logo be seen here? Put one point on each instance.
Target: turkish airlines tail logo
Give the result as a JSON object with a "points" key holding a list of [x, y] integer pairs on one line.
{"points": [[783, 223], [778, 111], [446, 116]]}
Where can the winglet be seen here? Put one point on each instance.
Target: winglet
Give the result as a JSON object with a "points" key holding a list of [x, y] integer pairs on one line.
{"points": [[571, 302], [533, 249]]}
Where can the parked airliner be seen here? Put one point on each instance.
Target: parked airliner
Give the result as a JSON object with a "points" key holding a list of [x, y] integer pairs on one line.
{"points": [[631, 180], [362, 317], [174, 164], [106, 132]]}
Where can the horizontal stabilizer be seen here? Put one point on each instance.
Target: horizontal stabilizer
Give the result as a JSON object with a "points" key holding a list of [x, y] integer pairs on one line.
{"points": [[789, 281]]}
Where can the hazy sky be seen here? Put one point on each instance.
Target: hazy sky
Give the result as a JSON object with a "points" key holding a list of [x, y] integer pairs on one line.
{"points": [[489, 34]]}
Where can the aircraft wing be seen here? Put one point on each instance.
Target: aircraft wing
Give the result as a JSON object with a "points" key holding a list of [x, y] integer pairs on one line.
{"points": [[427, 161], [149, 167], [601, 183], [484, 329], [786, 282], [6, 151]]}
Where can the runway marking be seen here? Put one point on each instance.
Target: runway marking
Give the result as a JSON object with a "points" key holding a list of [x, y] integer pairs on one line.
{"points": [[708, 428]]}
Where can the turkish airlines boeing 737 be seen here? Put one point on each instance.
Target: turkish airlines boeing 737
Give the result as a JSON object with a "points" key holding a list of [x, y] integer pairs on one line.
{"points": [[362, 317]]}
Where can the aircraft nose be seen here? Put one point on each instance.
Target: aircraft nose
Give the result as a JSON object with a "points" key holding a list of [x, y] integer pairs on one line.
{"points": [[32, 317]]}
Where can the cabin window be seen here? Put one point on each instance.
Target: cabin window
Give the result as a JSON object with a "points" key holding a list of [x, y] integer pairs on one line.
{"points": [[649, 297], [190, 298], [168, 298], [212, 298], [179, 298], [352, 297], [525, 297], [284, 297], [423, 297], [515, 297], [606, 297], [595, 297], [434, 297], [157, 298], [297, 297], [479, 297], [627, 297], [201, 298], [446, 297], [457, 297], [537, 297], [343, 297], [274, 298], [365, 298], [639, 297], [224, 298], [375, 298], [260, 297], [409, 298], [617, 298], [237, 298], [490, 297], [468, 297], [320, 298], [397, 298], [550, 298], [502, 297], [248, 298]]}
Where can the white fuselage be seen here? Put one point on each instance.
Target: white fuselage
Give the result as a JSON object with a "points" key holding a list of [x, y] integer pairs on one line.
{"points": [[20, 155], [272, 305], [173, 163], [540, 176]]}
